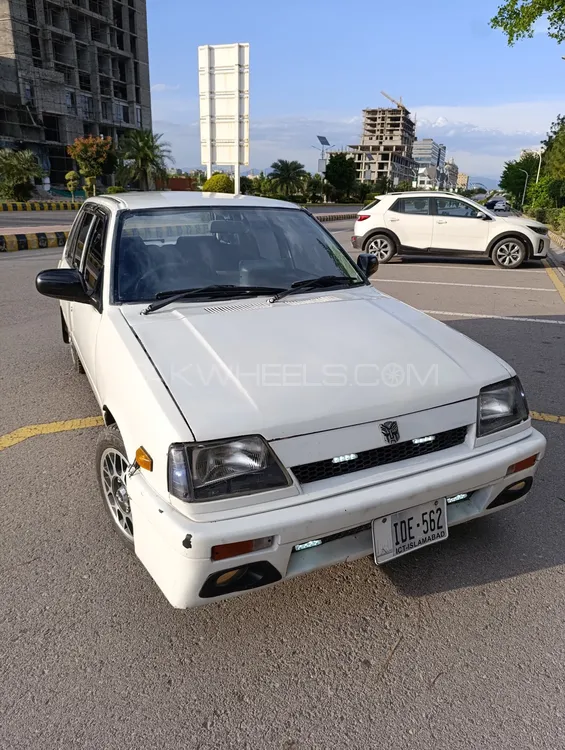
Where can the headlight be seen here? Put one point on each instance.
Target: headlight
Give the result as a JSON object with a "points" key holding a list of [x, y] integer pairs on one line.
{"points": [[209, 471], [539, 230], [501, 405]]}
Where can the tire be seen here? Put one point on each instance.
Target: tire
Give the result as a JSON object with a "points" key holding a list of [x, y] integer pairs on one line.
{"points": [[381, 245], [77, 364], [111, 468], [509, 252]]}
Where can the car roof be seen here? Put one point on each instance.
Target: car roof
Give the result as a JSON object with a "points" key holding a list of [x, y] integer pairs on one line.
{"points": [[185, 199], [423, 194]]}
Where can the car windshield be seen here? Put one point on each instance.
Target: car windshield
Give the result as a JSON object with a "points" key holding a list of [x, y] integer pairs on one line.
{"points": [[164, 250]]}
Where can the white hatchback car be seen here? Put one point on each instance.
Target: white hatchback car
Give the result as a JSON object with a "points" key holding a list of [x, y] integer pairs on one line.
{"points": [[433, 223], [268, 412]]}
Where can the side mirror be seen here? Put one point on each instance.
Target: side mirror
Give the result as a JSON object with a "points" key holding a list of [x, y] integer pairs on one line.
{"points": [[368, 263], [481, 215], [63, 283]]}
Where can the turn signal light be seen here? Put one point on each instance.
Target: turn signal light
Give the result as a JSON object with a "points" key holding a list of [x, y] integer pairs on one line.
{"points": [[362, 217], [224, 551], [143, 459], [526, 463]]}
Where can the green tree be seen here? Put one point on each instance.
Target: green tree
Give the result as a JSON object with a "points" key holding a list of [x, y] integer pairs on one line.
{"points": [[513, 178], [91, 155], [73, 181], [246, 185], [363, 190], [517, 18], [219, 183], [404, 186], [17, 172], [144, 158], [341, 174], [383, 185], [313, 188], [287, 176]]}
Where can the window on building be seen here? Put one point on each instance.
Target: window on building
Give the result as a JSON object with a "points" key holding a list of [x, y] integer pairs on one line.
{"points": [[106, 110], [35, 48], [71, 102], [138, 120], [51, 126], [31, 12]]}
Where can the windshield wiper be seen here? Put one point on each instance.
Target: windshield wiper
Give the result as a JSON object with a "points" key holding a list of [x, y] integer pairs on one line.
{"points": [[321, 281], [167, 298]]}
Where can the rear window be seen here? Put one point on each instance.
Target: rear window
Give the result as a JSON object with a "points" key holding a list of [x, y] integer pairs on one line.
{"points": [[372, 204]]}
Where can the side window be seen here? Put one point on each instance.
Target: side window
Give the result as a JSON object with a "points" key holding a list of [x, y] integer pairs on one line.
{"points": [[456, 208], [95, 255], [416, 205], [76, 245]]}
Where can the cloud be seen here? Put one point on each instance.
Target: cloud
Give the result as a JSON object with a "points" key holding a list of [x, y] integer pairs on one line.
{"points": [[159, 87], [480, 138]]}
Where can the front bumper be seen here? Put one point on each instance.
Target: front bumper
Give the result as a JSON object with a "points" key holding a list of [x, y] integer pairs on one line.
{"points": [[177, 550], [541, 246]]}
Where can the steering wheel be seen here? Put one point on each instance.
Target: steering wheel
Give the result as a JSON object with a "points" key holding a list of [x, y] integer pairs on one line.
{"points": [[153, 272]]}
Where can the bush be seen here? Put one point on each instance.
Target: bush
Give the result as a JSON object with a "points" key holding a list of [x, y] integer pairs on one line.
{"points": [[113, 189], [218, 183], [540, 214]]}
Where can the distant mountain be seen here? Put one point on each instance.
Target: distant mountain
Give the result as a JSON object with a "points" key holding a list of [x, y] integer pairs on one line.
{"points": [[488, 182]]}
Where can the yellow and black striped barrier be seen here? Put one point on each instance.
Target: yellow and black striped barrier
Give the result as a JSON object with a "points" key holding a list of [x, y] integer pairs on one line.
{"points": [[38, 206], [10, 243]]}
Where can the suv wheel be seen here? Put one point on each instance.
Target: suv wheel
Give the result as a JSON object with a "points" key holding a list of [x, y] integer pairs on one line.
{"points": [[509, 253], [111, 467], [380, 245]]}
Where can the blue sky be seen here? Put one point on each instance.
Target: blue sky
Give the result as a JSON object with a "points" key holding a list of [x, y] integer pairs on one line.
{"points": [[315, 64]]}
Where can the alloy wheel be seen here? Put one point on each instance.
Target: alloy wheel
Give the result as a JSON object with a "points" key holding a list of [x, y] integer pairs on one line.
{"points": [[113, 470], [509, 253], [381, 247]]}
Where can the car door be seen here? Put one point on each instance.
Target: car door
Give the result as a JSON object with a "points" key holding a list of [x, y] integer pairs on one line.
{"points": [[85, 319], [74, 250], [459, 226], [411, 221]]}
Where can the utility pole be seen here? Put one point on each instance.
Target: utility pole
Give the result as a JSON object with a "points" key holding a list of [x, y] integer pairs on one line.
{"points": [[525, 185]]}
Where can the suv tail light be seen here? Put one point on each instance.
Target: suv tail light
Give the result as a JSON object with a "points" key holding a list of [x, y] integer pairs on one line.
{"points": [[362, 217]]}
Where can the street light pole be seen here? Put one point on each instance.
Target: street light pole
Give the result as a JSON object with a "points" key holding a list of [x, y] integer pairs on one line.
{"points": [[539, 153], [525, 186]]}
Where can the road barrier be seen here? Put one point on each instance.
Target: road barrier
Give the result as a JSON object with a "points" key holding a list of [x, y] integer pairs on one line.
{"points": [[10, 243], [39, 206]]}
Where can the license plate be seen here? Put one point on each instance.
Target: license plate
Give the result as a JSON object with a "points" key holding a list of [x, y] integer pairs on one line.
{"points": [[409, 530]]}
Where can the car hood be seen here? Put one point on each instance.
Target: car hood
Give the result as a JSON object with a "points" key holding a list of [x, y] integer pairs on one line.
{"points": [[523, 221], [308, 363]]}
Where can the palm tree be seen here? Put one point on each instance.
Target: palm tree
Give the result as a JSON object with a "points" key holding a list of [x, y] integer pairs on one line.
{"points": [[17, 171], [143, 158], [288, 176]]}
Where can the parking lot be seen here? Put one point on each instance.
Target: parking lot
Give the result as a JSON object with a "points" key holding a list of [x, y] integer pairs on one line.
{"points": [[460, 645]]}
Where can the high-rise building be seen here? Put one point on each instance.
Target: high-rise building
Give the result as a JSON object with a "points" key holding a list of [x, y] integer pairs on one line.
{"points": [[385, 150], [430, 157], [462, 181], [451, 174], [70, 68]]}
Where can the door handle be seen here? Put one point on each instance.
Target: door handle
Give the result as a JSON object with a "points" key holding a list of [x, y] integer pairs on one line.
{"points": [[394, 219], [441, 221]]}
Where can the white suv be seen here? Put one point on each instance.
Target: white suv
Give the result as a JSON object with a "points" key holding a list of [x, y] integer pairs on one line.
{"points": [[254, 431], [417, 223]]}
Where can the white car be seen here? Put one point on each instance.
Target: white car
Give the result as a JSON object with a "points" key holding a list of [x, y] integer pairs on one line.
{"points": [[433, 223], [268, 412]]}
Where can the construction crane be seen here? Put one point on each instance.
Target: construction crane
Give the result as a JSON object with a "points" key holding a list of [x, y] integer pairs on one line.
{"points": [[398, 103]]}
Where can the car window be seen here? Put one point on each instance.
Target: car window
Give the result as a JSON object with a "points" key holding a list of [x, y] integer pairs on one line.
{"points": [[76, 245], [415, 205], [456, 208], [95, 255], [372, 204], [162, 250]]}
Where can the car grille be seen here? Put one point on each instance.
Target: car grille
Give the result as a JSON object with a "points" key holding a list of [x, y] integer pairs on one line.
{"points": [[389, 454]]}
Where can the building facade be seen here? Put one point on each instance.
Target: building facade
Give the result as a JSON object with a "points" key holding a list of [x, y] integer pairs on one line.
{"points": [[451, 175], [385, 151], [70, 68], [462, 181], [430, 157]]}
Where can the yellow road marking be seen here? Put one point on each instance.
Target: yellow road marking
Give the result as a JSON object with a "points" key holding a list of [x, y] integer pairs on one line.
{"points": [[557, 283], [32, 430], [542, 417]]}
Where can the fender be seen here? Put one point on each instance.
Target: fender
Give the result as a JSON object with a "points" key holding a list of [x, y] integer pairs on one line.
{"points": [[507, 234]]}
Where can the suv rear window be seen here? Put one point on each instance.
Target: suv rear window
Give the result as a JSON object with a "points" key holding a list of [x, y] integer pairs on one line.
{"points": [[372, 204]]}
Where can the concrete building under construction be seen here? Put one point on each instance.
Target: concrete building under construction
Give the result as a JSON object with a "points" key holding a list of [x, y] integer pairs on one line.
{"points": [[70, 68], [386, 145]]}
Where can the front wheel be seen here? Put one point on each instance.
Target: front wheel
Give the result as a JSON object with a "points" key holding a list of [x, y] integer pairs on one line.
{"points": [[380, 245], [509, 253], [111, 467]]}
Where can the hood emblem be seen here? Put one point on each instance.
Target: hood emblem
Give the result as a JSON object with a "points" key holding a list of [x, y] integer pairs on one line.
{"points": [[390, 432]]}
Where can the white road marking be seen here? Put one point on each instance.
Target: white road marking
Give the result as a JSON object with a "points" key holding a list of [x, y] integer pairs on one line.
{"points": [[453, 283], [495, 317]]}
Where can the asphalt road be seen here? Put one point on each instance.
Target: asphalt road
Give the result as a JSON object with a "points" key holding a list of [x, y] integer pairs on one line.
{"points": [[459, 646], [10, 220]]}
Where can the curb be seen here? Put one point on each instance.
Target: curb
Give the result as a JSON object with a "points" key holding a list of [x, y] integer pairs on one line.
{"points": [[334, 217], [54, 206], [10, 243]]}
